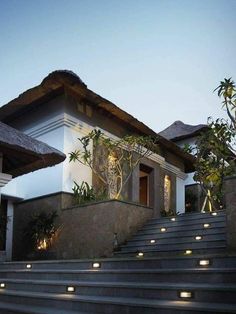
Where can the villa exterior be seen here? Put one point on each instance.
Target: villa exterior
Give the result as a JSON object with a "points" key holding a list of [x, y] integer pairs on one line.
{"points": [[185, 134], [62, 109]]}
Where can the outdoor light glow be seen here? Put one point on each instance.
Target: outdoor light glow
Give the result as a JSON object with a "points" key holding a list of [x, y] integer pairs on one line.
{"points": [[2, 285], [204, 262], [152, 241], [28, 266], [185, 294], [70, 289], [96, 265], [214, 214], [206, 225], [42, 245], [198, 238], [163, 229], [140, 254], [173, 219], [188, 252]]}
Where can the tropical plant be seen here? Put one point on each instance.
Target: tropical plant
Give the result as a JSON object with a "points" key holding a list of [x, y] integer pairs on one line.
{"points": [[84, 193], [214, 160], [112, 161], [40, 230], [227, 91]]}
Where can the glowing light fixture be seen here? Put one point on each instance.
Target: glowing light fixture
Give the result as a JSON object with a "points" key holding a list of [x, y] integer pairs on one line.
{"points": [[198, 238], [206, 225], [152, 241], [163, 229], [28, 266], [2, 285], [204, 262], [70, 289], [188, 252], [214, 214], [96, 265], [173, 219], [185, 294], [140, 254]]}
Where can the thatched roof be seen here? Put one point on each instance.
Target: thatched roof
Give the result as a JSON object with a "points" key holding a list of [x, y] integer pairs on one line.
{"points": [[57, 82], [179, 131], [23, 154]]}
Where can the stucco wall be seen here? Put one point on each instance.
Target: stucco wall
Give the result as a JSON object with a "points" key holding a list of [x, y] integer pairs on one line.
{"points": [[88, 231]]}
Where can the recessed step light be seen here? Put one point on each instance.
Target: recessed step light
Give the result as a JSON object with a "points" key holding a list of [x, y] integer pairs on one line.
{"points": [[152, 241], [185, 294], [140, 254], [2, 285], [204, 262], [188, 252], [96, 265], [214, 214], [173, 219], [206, 225], [198, 238], [70, 289], [28, 266], [163, 229]]}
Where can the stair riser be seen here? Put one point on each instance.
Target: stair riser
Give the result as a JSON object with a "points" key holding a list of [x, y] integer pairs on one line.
{"points": [[205, 237], [216, 221], [108, 308], [175, 247], [136, 263], [202, 276], [172, 234], [149, 293], [173, 253], [188, 217], [180, 229]]}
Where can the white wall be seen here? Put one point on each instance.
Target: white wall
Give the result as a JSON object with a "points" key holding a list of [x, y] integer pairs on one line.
{"points": [[180, 195], [74, 171]]}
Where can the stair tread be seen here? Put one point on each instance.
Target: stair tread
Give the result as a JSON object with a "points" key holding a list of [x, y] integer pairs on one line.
{"points": [[137, 285], [127, 270], [135, 302]]}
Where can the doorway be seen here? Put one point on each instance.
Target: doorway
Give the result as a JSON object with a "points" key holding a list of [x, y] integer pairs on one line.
{"points": [[144, 185]]}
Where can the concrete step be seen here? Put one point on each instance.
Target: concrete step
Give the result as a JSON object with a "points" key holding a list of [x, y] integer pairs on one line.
{"points": [[189, 216], [169, 233], [11, 308], [187, 275], [125, 263], [179, 228], [173, 240], [182, 222], [160, 291], [172, 253], [177, 246], [113, 304]]}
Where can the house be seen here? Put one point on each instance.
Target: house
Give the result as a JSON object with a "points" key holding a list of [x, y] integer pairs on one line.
{"points": [[19, 154], [62, 109], [185, 134]]}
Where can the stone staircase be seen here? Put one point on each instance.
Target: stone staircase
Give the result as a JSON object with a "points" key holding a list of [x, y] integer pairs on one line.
{"points": [[163, 279]]}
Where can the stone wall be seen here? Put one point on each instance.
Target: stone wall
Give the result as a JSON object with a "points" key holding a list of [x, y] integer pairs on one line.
{"points": [[23, 211], [88, 231], [230, 201]]}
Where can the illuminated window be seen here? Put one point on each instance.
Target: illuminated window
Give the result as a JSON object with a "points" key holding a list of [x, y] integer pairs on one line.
{"points": [[167, 193]]}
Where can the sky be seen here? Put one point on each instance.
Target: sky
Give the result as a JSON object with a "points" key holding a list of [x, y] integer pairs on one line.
{"points": [[159, 60]]}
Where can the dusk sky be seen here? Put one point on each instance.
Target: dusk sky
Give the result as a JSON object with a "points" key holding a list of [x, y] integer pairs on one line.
{"points": [[159, 60]]}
